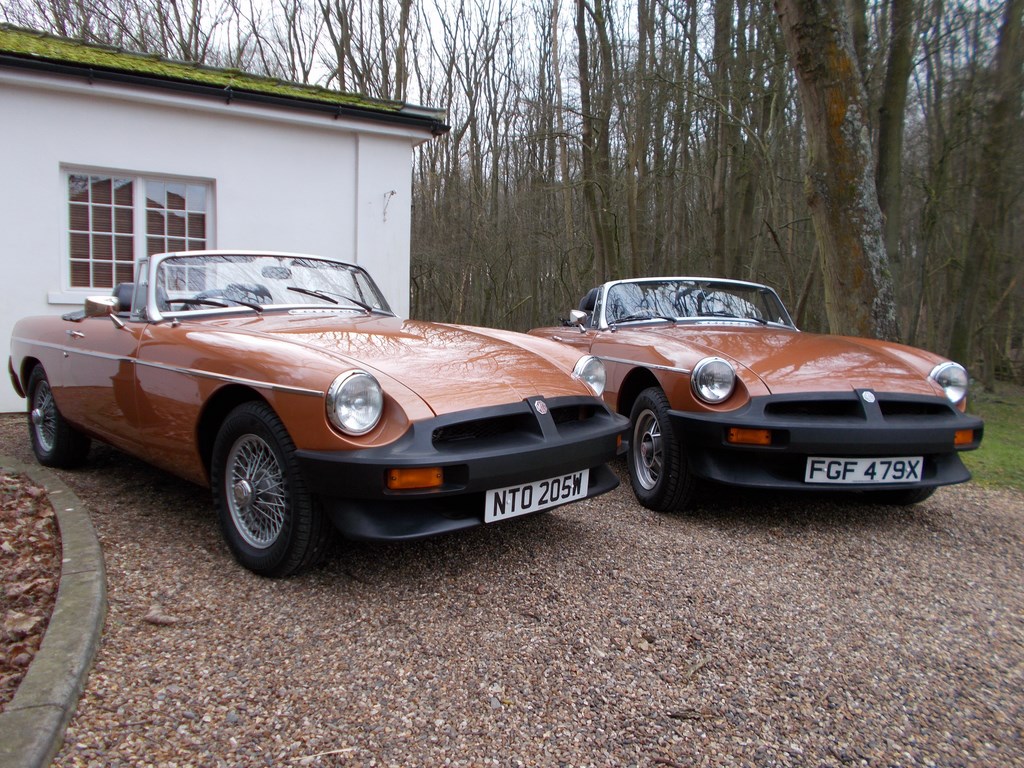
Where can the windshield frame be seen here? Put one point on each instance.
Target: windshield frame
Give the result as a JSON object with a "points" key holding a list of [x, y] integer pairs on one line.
{"points": [[153, 269]]}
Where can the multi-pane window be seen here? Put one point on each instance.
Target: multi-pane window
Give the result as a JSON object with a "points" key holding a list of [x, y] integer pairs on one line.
{"points": [[113, 219], [101, 230], [175, 216]]}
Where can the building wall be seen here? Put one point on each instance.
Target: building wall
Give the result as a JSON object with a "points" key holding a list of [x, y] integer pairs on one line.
{"points": [[282, 179]]}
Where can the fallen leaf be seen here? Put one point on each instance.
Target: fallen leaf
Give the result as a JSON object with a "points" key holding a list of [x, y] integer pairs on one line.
{"points": [[19, 588], [157, 616], [18, 624]]}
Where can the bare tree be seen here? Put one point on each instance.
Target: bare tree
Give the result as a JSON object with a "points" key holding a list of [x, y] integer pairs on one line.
{"points": [[724, 135], [595, 106], [369, 45], [891, 119], [840, 175], [997, 188]]}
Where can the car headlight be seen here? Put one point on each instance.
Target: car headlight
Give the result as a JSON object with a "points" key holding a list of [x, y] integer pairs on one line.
{"points": [[355, 402], [953, 379], [713, 379], [590, 370]]}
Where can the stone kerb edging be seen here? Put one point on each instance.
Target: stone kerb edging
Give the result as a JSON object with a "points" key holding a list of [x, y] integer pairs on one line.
{"points": [[32, 725]]}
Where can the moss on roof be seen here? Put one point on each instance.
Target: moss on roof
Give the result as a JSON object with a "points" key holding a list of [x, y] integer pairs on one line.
{"points": [[31, 44]]}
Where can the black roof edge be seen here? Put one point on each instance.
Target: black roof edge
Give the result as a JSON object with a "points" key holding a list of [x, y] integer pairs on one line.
{"points": [[90, 73]]}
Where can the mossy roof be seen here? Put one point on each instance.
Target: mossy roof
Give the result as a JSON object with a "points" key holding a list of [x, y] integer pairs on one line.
{"points": [[42, 47]]}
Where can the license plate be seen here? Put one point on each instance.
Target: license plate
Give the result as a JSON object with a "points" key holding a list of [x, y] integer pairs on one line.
{"points": [[503, 503], [901, 469]]}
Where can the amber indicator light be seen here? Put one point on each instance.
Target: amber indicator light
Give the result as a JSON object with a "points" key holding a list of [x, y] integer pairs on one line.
{"points": [[963, 437], [742, 436], [418, 477]]}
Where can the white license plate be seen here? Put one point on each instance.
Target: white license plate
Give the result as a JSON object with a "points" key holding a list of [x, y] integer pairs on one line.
{"points": [[503, 503], [901, 469]]}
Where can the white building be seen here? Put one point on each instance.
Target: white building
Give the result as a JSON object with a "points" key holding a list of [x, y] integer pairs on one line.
{"points": [[107, 156]]}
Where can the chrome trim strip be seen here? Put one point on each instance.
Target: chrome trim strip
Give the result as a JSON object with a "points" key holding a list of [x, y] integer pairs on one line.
{"points": [[45, 344], [670, 369], [175, 369], [232, 379], [101, 355]]}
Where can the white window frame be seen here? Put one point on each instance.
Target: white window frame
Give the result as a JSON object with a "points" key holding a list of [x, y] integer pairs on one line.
{"points": [[74, 295]]}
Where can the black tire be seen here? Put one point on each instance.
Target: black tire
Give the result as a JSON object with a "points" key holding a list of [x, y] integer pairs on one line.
{"points": [[903, 497], [54, 442], [658, 470], [269, 520]]}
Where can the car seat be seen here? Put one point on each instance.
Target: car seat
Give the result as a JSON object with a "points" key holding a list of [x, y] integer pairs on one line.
{"points": [[124, 292]]}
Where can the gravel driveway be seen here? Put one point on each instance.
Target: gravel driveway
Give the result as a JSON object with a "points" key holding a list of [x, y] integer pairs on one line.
{"points": [[760, 630]]}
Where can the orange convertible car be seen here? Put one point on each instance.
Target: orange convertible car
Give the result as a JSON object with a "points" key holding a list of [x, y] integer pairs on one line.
{"points": [[285, 383], [721, 386]]}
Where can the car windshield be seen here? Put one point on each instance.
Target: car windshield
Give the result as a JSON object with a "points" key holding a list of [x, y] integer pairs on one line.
{"points": [[213, 281], [683, 299]]}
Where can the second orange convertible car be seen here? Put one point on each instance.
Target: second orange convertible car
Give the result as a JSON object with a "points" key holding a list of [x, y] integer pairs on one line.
{"points": [[285, 383], [720, 385]]}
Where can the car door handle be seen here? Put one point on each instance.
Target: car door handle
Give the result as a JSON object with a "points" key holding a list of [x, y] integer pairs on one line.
{"points": [[75, 334]]}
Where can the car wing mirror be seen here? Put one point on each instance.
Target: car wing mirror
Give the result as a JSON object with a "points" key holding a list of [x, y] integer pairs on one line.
{"points": [[578, 318], [104, 306]]}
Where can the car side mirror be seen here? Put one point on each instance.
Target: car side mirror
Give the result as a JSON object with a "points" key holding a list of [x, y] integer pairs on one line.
{"points": [[578, 318], [104, 306], [101, 306]]}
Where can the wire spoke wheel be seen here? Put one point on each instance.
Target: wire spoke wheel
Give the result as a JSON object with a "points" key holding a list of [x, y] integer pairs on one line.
{"points": [[257, 493], [270, 521], [44, 416], [55, 442]]}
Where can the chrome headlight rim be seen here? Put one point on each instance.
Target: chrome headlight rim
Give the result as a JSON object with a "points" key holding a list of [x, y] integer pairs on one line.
{"points": [[591, 371], [953, 379], [355, 402], [713, 380]]}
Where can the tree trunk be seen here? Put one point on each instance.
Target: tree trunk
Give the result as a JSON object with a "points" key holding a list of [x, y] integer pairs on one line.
{"points": [[858, 10], [596, 148], [840, 184], [723, 137], [401, 54], [565, 186], [891, 116]]}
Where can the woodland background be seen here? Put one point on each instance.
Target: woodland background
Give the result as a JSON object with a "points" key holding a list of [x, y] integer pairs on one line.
{"points": [[594, 139]]}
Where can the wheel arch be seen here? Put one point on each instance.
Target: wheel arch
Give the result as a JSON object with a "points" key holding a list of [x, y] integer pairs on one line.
{"points": [[215, 411], [20, 380], [636, 381]]}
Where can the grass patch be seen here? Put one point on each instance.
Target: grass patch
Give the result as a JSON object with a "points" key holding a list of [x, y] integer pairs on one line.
{"points": [[1000, 460]]}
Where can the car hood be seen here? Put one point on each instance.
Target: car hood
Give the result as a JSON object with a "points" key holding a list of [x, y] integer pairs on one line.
{"points": [[789, 361], [449, 367]]}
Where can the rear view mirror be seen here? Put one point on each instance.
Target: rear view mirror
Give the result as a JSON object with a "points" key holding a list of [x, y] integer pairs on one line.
{"points": [[276, 273]]}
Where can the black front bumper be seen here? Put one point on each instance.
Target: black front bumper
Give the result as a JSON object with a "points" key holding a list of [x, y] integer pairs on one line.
{"points": [[859, 424], [478, 450]]}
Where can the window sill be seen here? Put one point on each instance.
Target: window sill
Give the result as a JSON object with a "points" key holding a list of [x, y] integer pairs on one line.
{"points": [[68, 297]]}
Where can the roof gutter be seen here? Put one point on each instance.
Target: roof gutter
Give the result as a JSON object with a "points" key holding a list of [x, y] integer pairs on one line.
{"points": [[228, 94]]}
